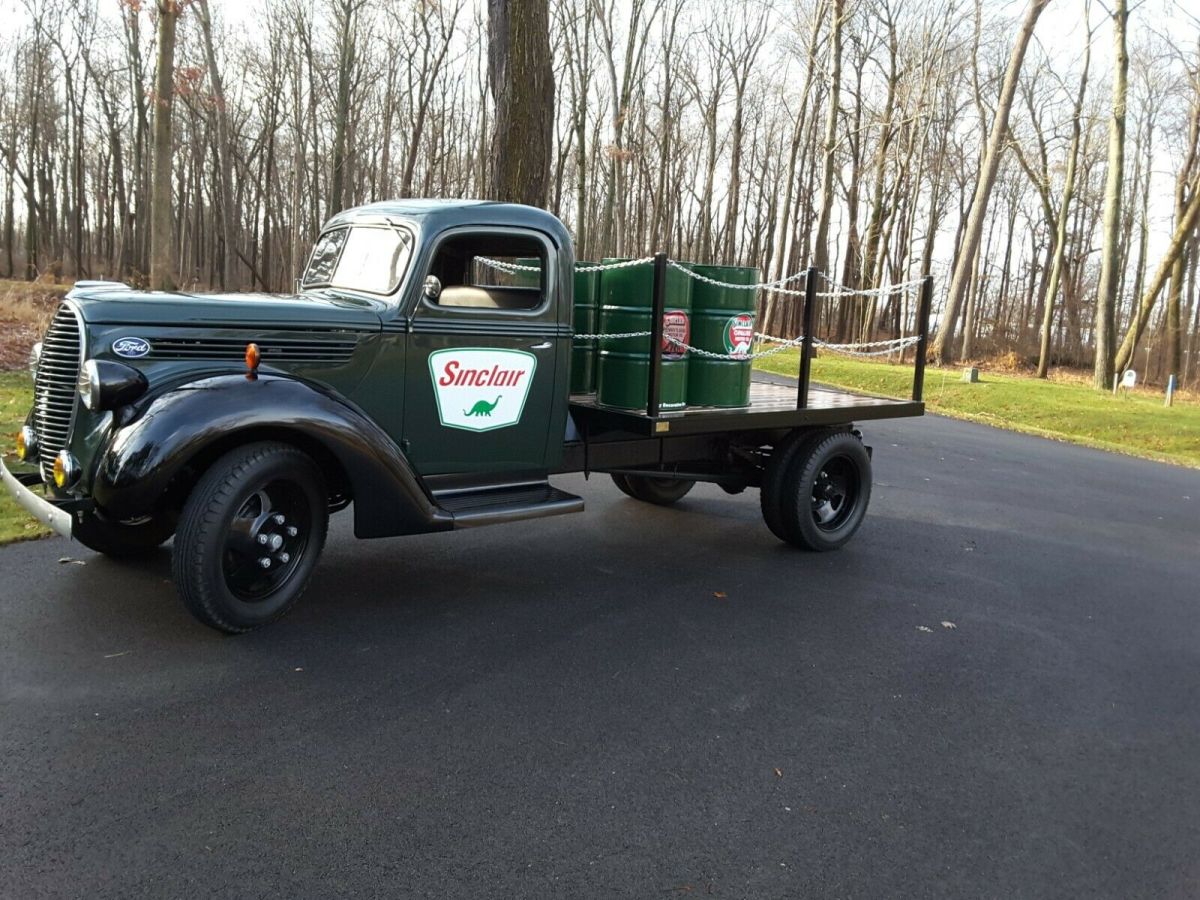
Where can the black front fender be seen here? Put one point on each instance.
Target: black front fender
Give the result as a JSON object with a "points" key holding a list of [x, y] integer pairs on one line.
{"points": [[171, 431]]}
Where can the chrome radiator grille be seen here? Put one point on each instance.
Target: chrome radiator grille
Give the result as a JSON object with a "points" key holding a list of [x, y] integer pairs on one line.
{"points": [[54, 389]]}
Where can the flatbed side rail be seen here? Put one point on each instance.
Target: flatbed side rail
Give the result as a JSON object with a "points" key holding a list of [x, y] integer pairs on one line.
{"points": [[659, 299], [924, 306]]}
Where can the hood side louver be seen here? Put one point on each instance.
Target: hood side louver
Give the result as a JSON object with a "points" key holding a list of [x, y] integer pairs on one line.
{"points": [[285, 350]]}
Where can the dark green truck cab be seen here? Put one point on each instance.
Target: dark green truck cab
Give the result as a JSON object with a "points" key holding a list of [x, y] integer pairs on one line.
{"points": [[404, 379]]}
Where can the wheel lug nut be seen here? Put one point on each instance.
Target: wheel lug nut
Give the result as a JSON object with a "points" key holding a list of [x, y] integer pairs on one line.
{"points": [[292, 531], [277, 519], [262, 539], [276, 541], [265, 562], [284, 558]]}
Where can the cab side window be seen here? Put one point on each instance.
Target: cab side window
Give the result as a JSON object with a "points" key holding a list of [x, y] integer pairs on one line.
{"points": [[489, 271]]}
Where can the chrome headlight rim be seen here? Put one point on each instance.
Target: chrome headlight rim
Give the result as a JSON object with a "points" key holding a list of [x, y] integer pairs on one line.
{"points": [[89, 385], [66, 471], [35, 359], [27, 445]]}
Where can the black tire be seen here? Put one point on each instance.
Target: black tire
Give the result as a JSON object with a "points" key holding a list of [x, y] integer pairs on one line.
{"points": [[261, 501], [122, 540], [659, 491], [621, 482], [826, 492], [771, 491]]}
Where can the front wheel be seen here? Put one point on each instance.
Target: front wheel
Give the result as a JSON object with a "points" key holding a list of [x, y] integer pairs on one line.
{"points": [[250, 536]]}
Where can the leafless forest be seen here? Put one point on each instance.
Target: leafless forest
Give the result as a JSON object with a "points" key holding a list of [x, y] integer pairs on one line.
{"points": [[1051, 185]]}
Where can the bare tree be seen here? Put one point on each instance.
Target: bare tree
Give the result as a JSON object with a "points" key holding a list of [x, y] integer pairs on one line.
{"points": [[961, 280]]}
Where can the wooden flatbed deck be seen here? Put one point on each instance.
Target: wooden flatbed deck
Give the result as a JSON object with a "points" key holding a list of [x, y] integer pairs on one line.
{"points": [[772, 405]]}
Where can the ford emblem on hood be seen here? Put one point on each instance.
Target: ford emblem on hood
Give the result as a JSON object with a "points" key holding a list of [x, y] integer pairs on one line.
{"points": [[131, 347]]}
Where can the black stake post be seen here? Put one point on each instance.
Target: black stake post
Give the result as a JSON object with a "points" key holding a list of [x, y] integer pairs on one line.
{"points": [[924, 305], [806, 348], [659, 299]]}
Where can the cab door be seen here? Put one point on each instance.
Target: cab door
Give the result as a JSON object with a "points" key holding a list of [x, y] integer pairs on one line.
{"points": [[482, 368]]}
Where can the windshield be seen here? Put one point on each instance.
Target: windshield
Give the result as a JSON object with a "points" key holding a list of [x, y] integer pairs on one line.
{"points": [[363, 258]]}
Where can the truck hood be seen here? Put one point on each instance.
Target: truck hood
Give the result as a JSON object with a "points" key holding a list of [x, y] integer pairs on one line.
{"points": [[118, 304]]}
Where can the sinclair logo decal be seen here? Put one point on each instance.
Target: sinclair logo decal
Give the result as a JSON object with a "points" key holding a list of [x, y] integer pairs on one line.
{"points": [[678, 326], [739, 335], [481, 388]]}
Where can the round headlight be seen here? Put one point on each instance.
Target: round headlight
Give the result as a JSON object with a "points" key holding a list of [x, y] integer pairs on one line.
{"points": [[89, 384], [35, 358], [26, 444], [66, 470]]}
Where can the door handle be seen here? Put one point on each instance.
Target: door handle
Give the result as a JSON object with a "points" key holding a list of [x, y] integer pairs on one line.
{"points": [[544, 345]]}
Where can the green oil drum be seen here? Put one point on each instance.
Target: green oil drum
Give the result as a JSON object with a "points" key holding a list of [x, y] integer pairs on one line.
{"points": [[585, 319], [525, 278], [722, 322], [623, 365]]}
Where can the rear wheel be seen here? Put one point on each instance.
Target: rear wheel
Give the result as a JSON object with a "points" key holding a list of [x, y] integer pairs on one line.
{"points": [[623, 484], [778, 466], [122, 540], [250, 536], [659, 491], [825, 493]]}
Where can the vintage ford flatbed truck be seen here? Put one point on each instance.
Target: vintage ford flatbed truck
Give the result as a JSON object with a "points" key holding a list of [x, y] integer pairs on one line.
{"points": [[396, 381]]}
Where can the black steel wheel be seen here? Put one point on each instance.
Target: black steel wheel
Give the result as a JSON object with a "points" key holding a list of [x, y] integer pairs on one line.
{"points": [[122, 540], [659, 491], [825, 492], [250, 536], [771, 491]]}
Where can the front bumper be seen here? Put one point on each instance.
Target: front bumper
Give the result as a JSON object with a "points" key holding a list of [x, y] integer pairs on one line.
{"points": [[45, 511]]}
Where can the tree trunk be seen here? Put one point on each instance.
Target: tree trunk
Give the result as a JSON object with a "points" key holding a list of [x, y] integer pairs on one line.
{"points": [[1110, 261], [522, 84], [1183, 231], [821, 242], [162, 276], [943, 346], [229, 219], [1060, 227]]}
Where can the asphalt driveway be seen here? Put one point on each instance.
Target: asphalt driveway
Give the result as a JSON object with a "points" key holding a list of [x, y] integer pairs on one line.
{"points": [[994, 691]]}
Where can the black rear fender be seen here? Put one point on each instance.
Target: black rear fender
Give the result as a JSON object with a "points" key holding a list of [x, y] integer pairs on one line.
{"points": [[174, 436]]}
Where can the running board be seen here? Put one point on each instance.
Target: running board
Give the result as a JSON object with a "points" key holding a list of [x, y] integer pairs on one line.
{"points": [[497, 504]]}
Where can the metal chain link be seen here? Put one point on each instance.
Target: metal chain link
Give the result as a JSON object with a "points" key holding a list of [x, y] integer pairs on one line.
{"points": [[765, 285], [518, 267], [781, 345], [612, 337], [843, 291], [775, 286], [601, 267]]}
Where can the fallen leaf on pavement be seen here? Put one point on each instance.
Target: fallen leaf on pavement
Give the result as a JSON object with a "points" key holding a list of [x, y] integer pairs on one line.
{"points": [[949, 625], [720, 595], [924, 628], [65, 560], [778, 774]]}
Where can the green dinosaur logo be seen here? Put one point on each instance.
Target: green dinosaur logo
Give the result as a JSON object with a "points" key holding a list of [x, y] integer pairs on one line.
{"points": [[482, 408]]}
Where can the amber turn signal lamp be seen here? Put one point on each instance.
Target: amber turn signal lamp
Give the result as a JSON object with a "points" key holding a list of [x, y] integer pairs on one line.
{"points": [[22, 449], [253, 358]]}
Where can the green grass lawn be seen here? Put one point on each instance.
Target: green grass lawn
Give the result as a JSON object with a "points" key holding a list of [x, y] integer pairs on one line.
{"points": [[1138, 424], [15, 395]]}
